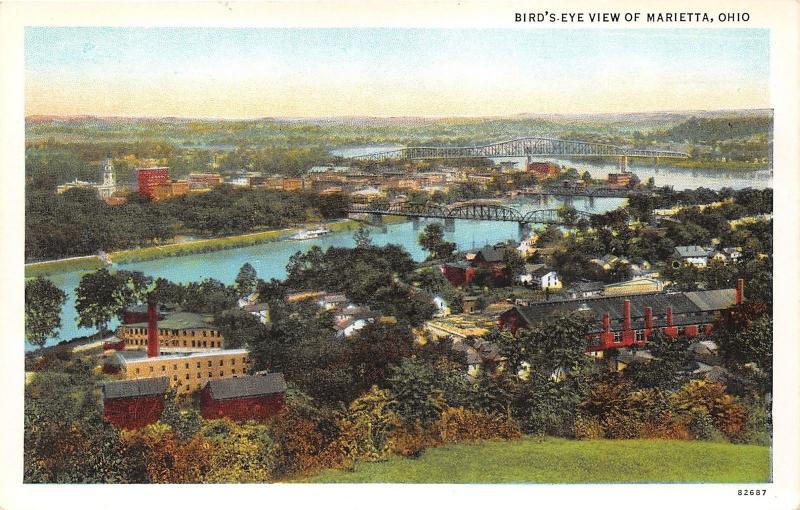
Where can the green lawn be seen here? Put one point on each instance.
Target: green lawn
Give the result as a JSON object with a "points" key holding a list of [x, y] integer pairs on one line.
{"points": [[566, 461]]}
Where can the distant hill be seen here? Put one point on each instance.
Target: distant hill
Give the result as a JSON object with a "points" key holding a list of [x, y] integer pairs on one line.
{"points": [[697, 129]]}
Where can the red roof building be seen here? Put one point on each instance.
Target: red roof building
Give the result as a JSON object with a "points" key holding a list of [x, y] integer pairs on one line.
{"points": [[254, 397], [134, 403]]}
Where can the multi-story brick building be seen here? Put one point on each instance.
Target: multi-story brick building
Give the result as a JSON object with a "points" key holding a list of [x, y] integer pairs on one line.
{"points": [[186, 372], [177, 332], [148, 179]]}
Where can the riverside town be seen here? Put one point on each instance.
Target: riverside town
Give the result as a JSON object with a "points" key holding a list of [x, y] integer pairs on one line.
{"points": [[538, 298]]}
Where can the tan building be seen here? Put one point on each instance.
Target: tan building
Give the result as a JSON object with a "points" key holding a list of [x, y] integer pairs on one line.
{"points": [[178, 332], [171, 189], [186, 372], [204, 180], [635, 286]]}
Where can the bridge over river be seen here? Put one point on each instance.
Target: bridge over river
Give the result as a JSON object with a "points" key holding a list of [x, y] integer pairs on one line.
{"points": [[485, 210], [528, 146]]}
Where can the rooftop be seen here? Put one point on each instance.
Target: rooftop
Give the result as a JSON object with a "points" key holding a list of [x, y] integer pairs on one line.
{"points": [[247, 386], [180, 320], [135, 387], [131, 357]]}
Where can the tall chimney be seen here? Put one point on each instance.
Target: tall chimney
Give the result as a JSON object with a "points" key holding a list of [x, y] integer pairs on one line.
{"points": [[648, 318], [152, 331], [669, 316], [739, 291], [626, 311], [606, 323]]}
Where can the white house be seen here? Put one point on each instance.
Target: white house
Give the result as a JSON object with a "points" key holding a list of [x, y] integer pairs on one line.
{"points": [[694, 255], [540, 276]]}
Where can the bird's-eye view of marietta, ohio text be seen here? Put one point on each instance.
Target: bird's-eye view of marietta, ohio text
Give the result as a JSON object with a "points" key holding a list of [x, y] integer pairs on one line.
{"points": [[355, 255]]}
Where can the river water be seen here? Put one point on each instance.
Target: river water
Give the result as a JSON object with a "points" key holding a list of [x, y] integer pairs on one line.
{"points": [[270, 259]]}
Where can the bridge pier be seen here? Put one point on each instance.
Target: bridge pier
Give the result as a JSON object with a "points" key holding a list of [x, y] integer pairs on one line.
{"points": [[376, 219], [591, 201], [414, 221], [449, 225], [623, 164], [523, 230]]}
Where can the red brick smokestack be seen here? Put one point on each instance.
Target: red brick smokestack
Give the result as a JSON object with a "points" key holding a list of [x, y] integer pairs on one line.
{"points": [[739, 291], [606, 323], [152, 331], [669, 317], [648, 318], [626, 318]]}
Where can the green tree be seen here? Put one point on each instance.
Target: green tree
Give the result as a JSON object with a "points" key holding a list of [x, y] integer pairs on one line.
{"points": [[43, 302], [668, 369], [414, 387], [431, 239], [99, 297], [568, 214], [246, 280], [362, 237]]}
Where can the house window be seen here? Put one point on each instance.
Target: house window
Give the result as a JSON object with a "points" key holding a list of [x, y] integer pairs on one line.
{"points": [[163, 368], [137, 370], [198, 364], [209, 363], [220, 362], [639, 335], [192, 334], [681, 330], [192, 343], [174, 377], [198, 375], [204, 343], [205, 333], [187, 365], [233, 370], [175, 367], [220, 373], [244, 360], [210, 375], [617, 336], [187, 376], [151, 369], [233, 361]]}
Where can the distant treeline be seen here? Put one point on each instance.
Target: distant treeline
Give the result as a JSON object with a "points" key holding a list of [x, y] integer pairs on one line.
{"points": [[78, 223], [700, 130]]}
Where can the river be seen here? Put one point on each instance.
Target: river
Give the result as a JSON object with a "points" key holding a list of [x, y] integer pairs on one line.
{"points": [[270, 259]]}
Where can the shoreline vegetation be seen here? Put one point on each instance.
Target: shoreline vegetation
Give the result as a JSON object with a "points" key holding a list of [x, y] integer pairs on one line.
{"points": [[134, 255], [92, 262]]}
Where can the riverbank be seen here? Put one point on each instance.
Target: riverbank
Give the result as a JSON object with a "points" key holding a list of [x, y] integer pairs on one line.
{"points": [[90, 263]]}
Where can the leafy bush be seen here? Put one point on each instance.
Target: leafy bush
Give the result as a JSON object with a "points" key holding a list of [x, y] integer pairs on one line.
{"points": [[458, 424], [588, 428]]}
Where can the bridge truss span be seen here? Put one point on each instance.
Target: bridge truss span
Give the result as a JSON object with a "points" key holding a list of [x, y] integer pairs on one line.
{"points": [[521, 147], [478, 211]]}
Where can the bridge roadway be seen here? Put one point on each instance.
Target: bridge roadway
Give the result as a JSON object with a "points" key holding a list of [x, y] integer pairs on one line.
{"points": [[484, 210], [521, 147], [591, 192]]}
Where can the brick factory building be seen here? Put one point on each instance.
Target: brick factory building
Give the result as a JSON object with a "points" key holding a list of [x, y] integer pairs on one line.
{"points": [[132, 404], [625, 321], [148, 179], [541, 169], [204, 180], [620, 180], [177, 332], [253, 397]]}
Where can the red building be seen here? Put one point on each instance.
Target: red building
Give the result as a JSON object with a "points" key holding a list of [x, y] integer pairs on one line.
{"points": [[149, 179], [457, 274], [254, 397], [134, 403], [625, 321], [620, 180], [541, 169]]}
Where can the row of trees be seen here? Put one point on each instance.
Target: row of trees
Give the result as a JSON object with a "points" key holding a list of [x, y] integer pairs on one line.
{"points": [[78, 223]]}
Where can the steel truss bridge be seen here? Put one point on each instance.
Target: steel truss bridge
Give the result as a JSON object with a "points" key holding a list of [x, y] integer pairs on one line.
{"points": [[590, 192], [521, 147], [472, 210]]}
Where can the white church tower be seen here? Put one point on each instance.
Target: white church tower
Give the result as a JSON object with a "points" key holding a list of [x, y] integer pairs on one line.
{"points": [[108, 185]]}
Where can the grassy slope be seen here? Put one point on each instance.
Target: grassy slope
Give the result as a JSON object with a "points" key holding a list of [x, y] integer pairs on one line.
{"points": [[565, 461]]}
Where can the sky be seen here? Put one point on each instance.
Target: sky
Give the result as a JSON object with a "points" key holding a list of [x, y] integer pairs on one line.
{"points": [[313, 72]]}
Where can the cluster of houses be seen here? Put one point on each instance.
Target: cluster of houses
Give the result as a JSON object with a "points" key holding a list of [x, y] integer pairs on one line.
{"points": [[701, 256]]}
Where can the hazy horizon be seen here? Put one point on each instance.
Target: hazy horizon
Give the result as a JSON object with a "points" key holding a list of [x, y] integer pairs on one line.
{"points": [[301, 73]]}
